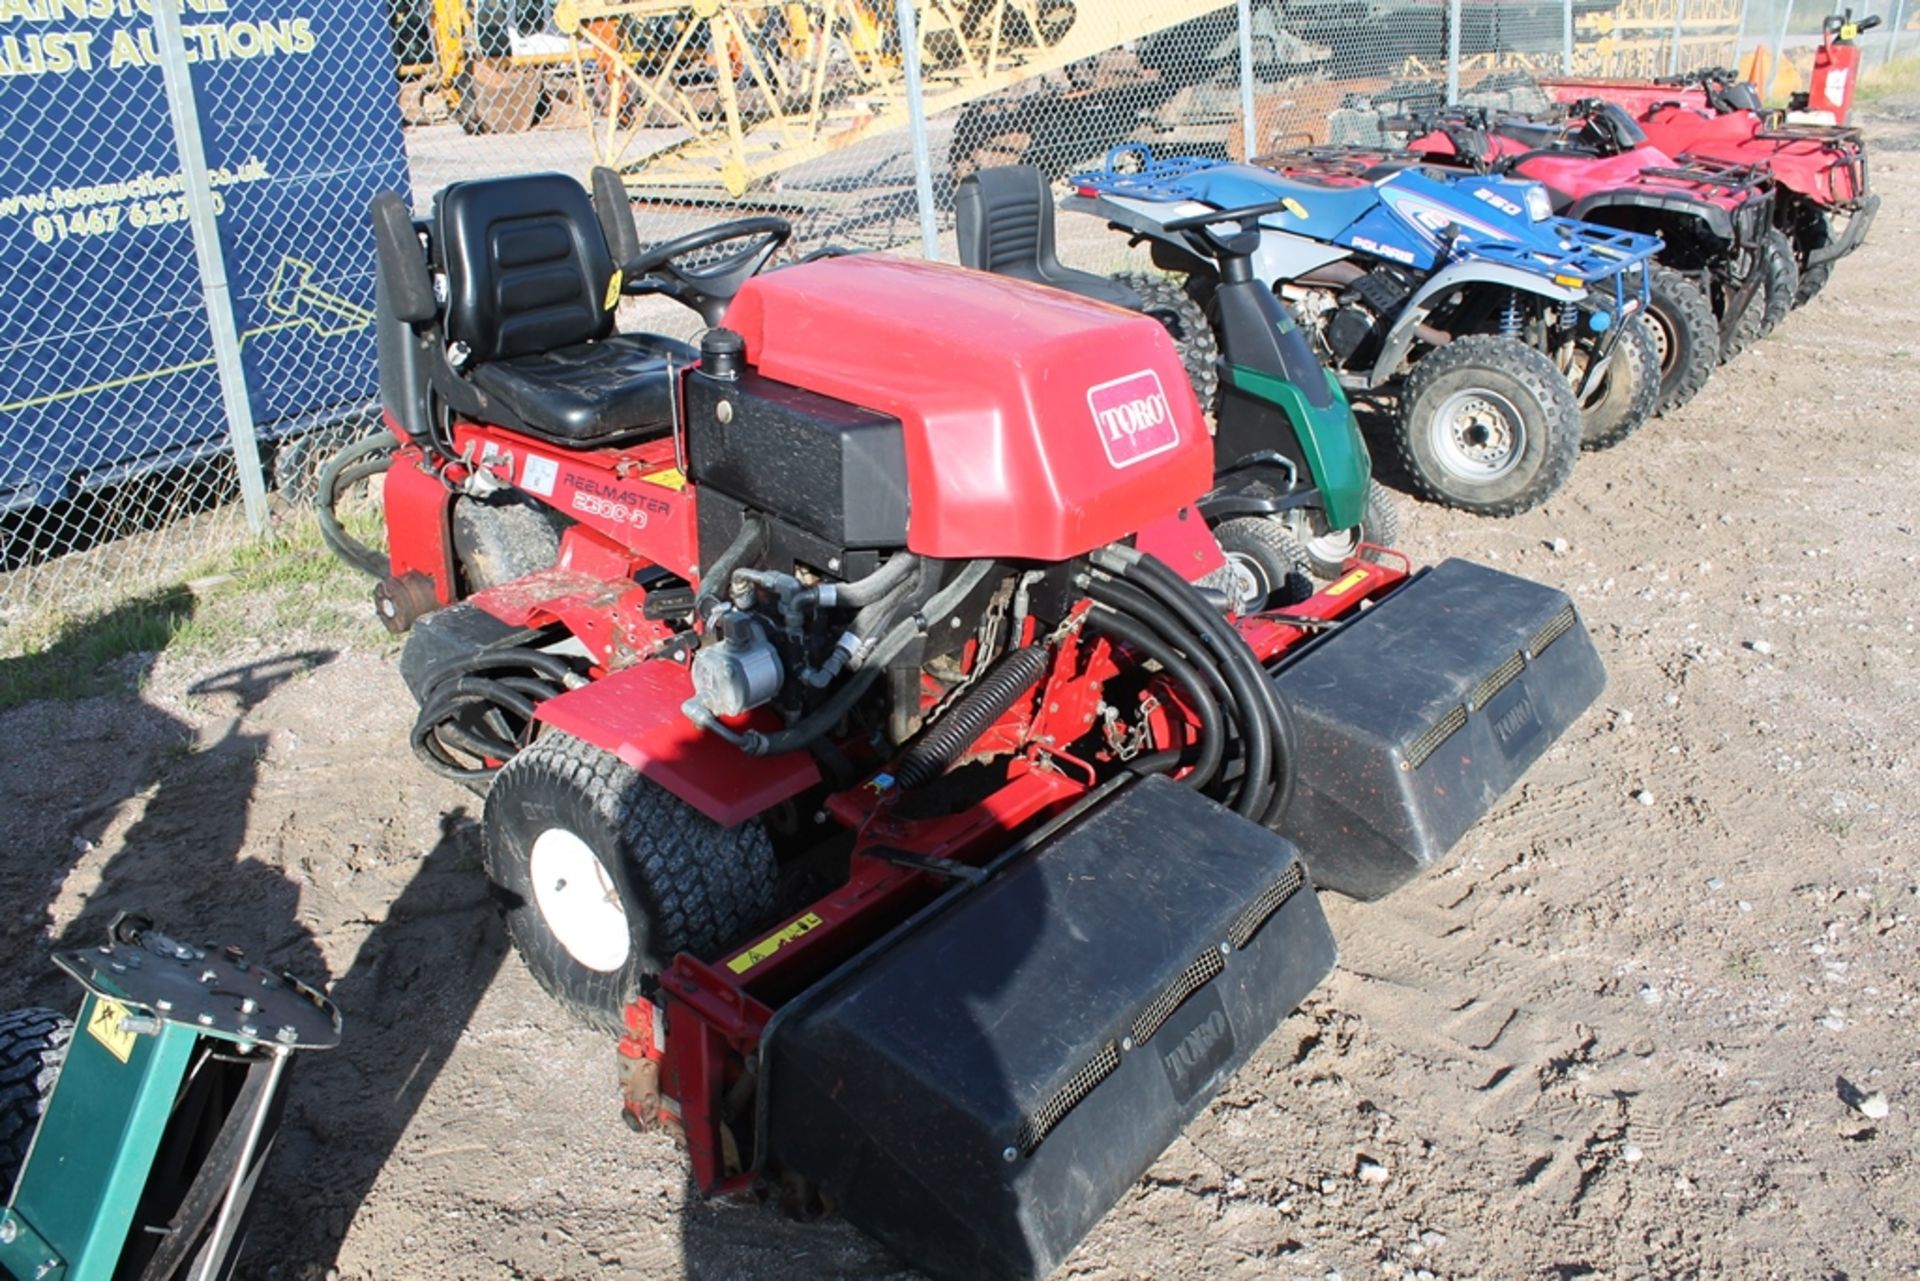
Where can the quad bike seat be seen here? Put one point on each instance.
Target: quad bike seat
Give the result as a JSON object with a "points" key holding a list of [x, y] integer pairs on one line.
{"points": [[1004, 217], [531, 289]]}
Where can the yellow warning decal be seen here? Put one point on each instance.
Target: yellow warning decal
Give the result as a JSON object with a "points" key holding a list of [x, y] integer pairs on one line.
{"points": [[1348, 583], [670, 478], [104, 1026], [614, 283], [773, 943], [1294, 207]]}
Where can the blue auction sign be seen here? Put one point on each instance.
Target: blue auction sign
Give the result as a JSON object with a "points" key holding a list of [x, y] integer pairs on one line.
{"points": [[106, 357]]}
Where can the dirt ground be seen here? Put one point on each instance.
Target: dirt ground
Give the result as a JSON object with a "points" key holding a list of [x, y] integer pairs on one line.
{"points": [[1623, 1032]]}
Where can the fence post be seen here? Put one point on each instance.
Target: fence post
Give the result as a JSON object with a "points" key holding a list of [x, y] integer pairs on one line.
{"points": [[1893, 33], [1566, 37], [917, 126], [198, 189], [1453, 52], [1246, 78], [1740, 32], [1673, 46], [1779, 49]]}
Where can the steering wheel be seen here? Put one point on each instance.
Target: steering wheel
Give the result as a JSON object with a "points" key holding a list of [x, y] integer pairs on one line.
{"points": [[709, 287], [1240, 244]]}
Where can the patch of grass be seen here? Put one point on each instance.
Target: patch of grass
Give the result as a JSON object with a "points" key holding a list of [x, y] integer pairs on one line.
{"points": [[1746, 965], [283, 586], [1897, 79]]}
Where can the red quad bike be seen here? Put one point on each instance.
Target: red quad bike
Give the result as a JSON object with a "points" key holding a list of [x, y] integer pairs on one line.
{"points": [[1727, 276], [1822, 201], [861, 742]]}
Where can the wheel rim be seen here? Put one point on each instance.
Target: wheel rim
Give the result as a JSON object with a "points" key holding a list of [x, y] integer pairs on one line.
{"points": [[1478, 435], [1663, 344], [1329, 546], [1250, 586], [579, 901]]}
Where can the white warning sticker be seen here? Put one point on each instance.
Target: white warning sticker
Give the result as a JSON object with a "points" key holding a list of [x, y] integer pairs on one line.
{"points": [[539, 475]]}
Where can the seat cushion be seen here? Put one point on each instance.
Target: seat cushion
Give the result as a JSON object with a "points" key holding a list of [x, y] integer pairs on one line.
{"points": [[592, 392]]}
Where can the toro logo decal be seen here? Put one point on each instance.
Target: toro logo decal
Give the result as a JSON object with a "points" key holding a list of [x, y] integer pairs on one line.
{"points": [[1133, 417]]}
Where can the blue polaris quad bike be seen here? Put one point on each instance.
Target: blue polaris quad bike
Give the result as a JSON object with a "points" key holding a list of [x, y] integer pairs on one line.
{"points": [[1511, 337]]}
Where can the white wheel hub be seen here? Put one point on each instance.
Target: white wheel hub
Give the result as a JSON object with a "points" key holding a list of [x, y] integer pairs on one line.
{"points": [[579, 901]]}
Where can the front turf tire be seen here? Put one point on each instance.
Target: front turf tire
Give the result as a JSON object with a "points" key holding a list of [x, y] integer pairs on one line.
{"points": [[1327, 549], [33, 1045], [1626, 396], [1268, 567], [1488, 425], [605, 876]]}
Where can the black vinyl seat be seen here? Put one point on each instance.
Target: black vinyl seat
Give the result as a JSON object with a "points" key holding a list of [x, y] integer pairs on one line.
{"points": [[531, 292], [1004, 219]]}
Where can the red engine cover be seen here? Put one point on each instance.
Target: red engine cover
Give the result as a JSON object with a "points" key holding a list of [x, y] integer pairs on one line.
{"points": [[1039, 425]]}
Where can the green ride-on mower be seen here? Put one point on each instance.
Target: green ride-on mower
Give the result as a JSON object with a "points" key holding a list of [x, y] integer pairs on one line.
{"points": [[867, 741]]}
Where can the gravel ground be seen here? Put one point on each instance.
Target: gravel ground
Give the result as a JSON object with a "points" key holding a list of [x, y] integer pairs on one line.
{"points": [[1634, 1027]]}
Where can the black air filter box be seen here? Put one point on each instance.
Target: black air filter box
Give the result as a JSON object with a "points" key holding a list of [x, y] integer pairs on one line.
{"points": [[1417, 715], [980, 1087]]}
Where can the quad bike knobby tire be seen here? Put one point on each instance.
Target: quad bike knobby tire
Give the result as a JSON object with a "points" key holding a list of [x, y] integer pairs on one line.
{"points": [[1626, 396], [1266, 566], [1686, 336], [605, 876], [1327, 549], [1780, 281], [1488, 425], [33, 1044], [1185, 321], [1814, 234]]}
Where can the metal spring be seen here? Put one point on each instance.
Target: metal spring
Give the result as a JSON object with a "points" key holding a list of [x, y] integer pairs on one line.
{"points": [[1510, 318], [1569, 315]]}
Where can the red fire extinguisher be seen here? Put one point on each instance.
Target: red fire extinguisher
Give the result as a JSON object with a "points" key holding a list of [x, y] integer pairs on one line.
{"points": [[1836, 68]]}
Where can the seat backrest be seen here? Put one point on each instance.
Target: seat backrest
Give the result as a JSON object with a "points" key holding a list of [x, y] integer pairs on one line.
{"points": [[527, 266], [1004, 219]]}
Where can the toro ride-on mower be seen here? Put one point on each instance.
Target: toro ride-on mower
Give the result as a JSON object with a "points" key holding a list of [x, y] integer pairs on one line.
{"points": [[1823, 202], [860, 742]]}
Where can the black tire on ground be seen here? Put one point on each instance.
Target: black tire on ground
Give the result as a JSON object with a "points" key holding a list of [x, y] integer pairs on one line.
{"points": [[1268, 567], [502, 539], [1780, 280], [1327, 549], [1686, 337], [33, 1044], [1783, 281], [1186, 321], [605, 876], [1814, 234], [1626, 396], [1488, 425]]}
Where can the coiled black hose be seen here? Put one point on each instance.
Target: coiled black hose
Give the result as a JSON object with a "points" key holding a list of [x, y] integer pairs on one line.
{"points": [[477, 709], [359, 461], [1206, 711], [1270, 738], [941, 744]]}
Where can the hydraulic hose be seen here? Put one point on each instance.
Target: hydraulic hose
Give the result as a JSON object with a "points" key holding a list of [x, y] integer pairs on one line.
{"points": [[1209, 731], [359, 461], [1255, 791], [719, 576], [466, 702], [1274, 722], [942, 743]]}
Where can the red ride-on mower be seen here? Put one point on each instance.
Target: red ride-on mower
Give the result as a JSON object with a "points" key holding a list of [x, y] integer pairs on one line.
{"points": [[1822, 201], [861, 738], [1727, 277]]}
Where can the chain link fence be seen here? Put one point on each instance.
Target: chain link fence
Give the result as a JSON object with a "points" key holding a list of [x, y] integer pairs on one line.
{"points": [[188, 327]]}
